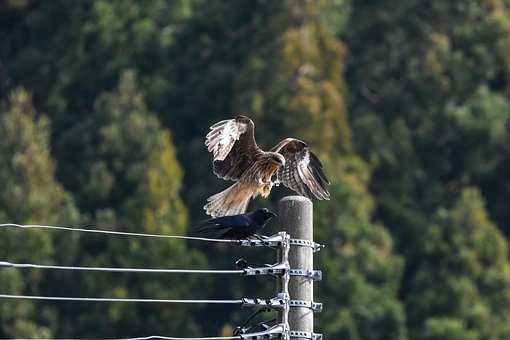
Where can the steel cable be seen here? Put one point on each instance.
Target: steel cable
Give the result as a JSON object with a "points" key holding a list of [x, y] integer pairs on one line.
{"points": [[151, 337], [94, 299], [111, 232], [6, 264]]}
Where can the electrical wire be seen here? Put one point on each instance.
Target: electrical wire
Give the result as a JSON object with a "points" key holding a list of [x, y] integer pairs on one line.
{"points": [[144, 270], [157, 337], [93, 299], [6, 264], [124, 233]]}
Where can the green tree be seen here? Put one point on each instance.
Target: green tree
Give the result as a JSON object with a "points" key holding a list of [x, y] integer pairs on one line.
{"points": [[294, 80], [279, 63], [69, 60], [461, 288], [413, 63], [428, 110], [121, 167], [29, 194], [362, 273], [485, 116]]}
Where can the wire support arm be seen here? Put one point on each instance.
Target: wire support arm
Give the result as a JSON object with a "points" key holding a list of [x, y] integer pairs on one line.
{"points": [[273, 241], [277, 303], [306, 243], [274, 332]]}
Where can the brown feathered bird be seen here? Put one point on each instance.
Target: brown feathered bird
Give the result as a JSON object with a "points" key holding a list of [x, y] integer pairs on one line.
{"points": [[238, 158]]}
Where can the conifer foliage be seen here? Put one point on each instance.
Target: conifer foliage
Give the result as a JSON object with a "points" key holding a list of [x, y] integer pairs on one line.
{"points": [[406, 101], [29, 194]]}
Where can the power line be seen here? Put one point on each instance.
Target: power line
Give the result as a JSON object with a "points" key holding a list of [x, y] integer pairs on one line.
{"points": [[93, 299], [111, 232], [125, 270], [158, 337]]}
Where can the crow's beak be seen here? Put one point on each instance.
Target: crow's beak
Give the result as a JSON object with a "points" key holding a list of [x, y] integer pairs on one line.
{"points": [[272, 214]]}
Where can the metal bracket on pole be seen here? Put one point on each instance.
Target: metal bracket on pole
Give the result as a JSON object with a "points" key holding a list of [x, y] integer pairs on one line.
{"points": [[306, 243], [306, 335], [267, 269], [316, 307], [274, 332], [266, 241], [315, 275], [277, 303], [284, 284], [277, 269]]}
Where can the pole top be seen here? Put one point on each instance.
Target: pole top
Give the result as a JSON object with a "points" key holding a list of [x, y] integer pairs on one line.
{"points": [[296, 198]]}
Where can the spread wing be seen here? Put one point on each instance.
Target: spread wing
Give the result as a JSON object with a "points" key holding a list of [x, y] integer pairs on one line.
{"points": [[302, 171], [232, 143]]}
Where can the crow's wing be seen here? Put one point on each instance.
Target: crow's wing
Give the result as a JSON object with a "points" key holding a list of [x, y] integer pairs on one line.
{"points": [[232, 143], [234, 221], [303, 171], [221, 227]]}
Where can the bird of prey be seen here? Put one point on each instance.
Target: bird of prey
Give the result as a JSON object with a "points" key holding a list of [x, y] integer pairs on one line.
{"points": [[237, 157], [237, 226]]}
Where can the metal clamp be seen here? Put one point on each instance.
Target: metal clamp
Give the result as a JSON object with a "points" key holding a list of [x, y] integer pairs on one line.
{"points": [[277, 303], [276, 241], [306, 243], [276, 269], [265, 241], [306, 335], [316, 307], [315, 275], [274, 332]]}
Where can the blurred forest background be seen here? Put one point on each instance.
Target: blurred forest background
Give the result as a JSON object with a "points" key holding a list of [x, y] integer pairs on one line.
{"points": [[104, 108]]}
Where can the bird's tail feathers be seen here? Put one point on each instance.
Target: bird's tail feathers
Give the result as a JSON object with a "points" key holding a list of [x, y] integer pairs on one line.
{"points": [[231, 201]]}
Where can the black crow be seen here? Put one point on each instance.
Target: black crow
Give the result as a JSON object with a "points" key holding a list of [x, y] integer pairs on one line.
{"points": [[236, 226]]}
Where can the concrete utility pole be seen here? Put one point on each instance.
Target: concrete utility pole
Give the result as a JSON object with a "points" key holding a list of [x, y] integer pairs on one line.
{"points": [[296, 218]]}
